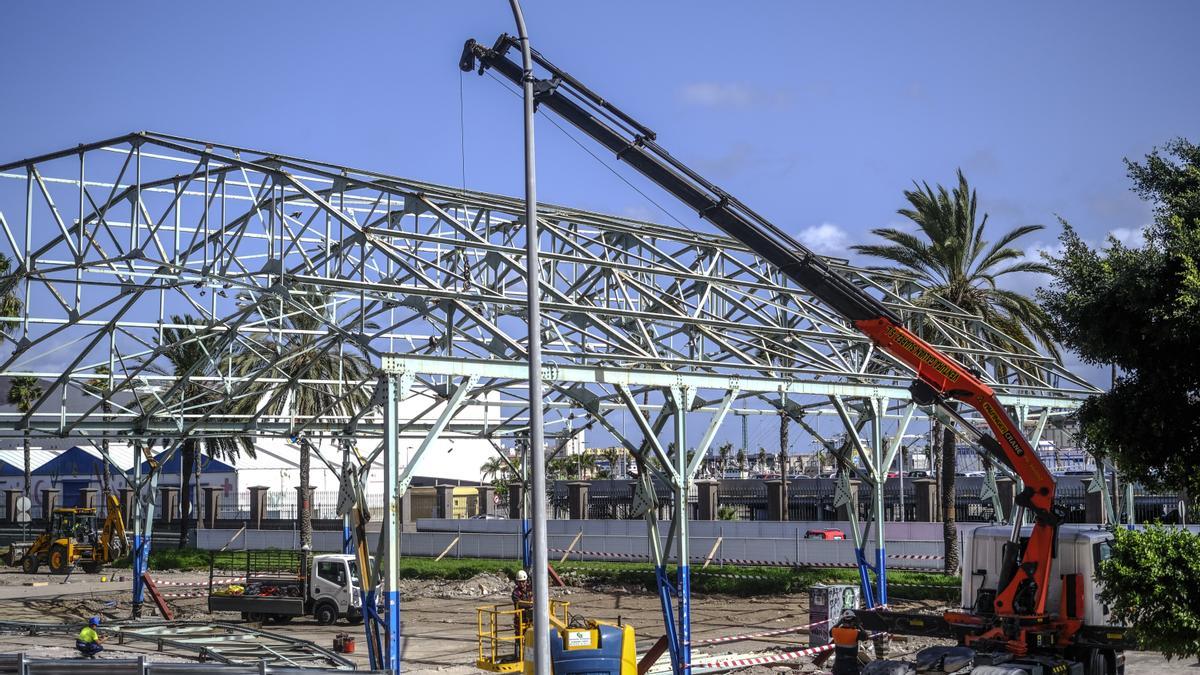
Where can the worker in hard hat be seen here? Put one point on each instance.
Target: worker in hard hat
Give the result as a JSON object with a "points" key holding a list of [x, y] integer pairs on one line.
{"points": [[522, 598], [89, 643]]}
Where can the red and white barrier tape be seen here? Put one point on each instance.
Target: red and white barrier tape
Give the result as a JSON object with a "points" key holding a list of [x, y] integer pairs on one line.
{"points": [[604, 554], [751, 636], [916, 557], [749, 563], [216, 580], [765, 658]]}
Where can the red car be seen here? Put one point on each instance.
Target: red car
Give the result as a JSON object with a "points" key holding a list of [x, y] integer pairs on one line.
{"points": [[831, 533]]}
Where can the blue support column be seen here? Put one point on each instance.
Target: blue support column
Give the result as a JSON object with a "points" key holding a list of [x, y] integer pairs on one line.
{"points": [[864, 576], [664, 597], [685, 619], [881, 574]]}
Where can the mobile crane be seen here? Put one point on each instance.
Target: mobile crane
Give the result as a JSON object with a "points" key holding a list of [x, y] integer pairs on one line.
{"points": [[1016, 620]]}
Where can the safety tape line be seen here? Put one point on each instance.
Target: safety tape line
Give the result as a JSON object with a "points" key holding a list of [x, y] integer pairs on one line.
{"points": [[584, 567], [184, 595], [751, 636], [751, 563], [916, 557], [604, 554], [216, 580], [766, 658]]}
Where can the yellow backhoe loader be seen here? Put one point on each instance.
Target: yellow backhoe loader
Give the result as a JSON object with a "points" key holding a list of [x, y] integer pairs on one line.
{"points": [[71, 538]]}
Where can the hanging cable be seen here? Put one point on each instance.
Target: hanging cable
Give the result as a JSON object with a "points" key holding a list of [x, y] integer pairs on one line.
{"points": [[593, 155]]}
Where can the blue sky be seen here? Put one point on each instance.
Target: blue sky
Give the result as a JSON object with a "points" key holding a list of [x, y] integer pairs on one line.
{"points": [[817, 114]]}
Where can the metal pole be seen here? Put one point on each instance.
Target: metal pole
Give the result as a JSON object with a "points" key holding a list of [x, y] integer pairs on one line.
{"points": [[136, 512], [881, 472], [390, 531], [537, 450], [683, 481]]}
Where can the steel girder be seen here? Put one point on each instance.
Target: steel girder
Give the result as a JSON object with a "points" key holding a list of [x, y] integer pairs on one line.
{"points": [[110, 241]]}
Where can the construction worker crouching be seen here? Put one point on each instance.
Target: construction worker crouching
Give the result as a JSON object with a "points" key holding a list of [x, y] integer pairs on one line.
{"points": [[89, 643]]}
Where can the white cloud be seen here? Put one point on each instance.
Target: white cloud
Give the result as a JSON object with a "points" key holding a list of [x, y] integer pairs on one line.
{"points": [[714, 94], [1129, 237], [731, 95], [826, 239]]}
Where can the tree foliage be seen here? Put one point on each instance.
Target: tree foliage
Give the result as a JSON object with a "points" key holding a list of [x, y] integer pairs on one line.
{"points": [[955, 260], [1139, 309], [1150, 585]]}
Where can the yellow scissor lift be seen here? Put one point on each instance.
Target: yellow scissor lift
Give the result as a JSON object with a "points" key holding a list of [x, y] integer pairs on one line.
{"points": [[502, 631]]}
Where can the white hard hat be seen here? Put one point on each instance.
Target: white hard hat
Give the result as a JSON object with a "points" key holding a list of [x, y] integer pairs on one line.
{"points": [[522, 576]]}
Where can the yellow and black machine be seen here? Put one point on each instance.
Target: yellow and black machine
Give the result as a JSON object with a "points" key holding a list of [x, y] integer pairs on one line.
{"points": [[576, 646], [72, 538]]}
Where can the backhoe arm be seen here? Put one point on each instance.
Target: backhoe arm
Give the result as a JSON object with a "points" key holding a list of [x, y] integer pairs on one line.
{"points": [[939, 380]]}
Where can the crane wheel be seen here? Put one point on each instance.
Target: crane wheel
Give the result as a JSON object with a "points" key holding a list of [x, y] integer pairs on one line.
{"points": [[92, 567], [59, 559], [29, 564]]}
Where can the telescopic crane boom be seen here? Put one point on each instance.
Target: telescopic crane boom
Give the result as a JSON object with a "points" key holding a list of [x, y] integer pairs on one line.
{"points": [[940, 381]]}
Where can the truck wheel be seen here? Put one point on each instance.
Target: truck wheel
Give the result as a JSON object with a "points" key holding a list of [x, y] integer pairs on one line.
{"points": [[326, 613], [282, 619], [60, 559], [91, 568], [29, 564]]}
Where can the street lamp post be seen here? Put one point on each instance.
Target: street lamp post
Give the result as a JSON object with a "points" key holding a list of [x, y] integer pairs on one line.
{"points": [[537, 449]]}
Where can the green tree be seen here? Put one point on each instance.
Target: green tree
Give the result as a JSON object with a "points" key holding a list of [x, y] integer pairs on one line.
{"points": [[761, 460], [492, 469], [723, 453], [1149, 583], [10, 304], [321, 376], [23, 392], [741, 462], [1139, 310], [183, 346], [953, 261]]}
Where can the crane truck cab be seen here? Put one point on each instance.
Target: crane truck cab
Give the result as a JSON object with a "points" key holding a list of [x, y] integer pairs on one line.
{"points": [[1081, 549]]}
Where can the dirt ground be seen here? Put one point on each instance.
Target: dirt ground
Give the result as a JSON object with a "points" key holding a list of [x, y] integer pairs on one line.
{"points": [[439, 620]]}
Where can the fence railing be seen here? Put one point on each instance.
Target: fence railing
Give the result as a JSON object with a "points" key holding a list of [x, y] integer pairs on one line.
{"points": [[740, 499]]}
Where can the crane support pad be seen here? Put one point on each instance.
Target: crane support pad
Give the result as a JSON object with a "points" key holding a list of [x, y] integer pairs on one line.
{"points": [[905, 623], [1108, 637]]}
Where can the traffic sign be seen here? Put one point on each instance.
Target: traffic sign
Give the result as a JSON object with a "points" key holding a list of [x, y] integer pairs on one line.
{"points": [[23, 506]]}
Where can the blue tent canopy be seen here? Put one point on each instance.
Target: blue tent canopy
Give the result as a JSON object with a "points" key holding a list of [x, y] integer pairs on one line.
{"points": [[75, 462], [174, 465]]}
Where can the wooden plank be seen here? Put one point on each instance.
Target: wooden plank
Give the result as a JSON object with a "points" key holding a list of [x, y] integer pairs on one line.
{"points": [[163, 608], [450, 546], [711, 553], [570, 548]]}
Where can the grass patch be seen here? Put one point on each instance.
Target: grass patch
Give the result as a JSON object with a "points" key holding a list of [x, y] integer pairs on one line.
{"points": [[723, 579], [747, 581]]}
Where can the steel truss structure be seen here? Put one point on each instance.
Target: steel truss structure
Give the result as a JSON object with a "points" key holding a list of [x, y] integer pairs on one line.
{"points": [[273, 267]]}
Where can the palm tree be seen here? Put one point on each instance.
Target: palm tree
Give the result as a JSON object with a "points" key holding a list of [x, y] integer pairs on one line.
{"points": [[492, 469], [741, 462], [23, 392], [10, 304], [183, 347], [298, 348], [952, 260], [612, 455], [761, 460], [723, 453]]}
